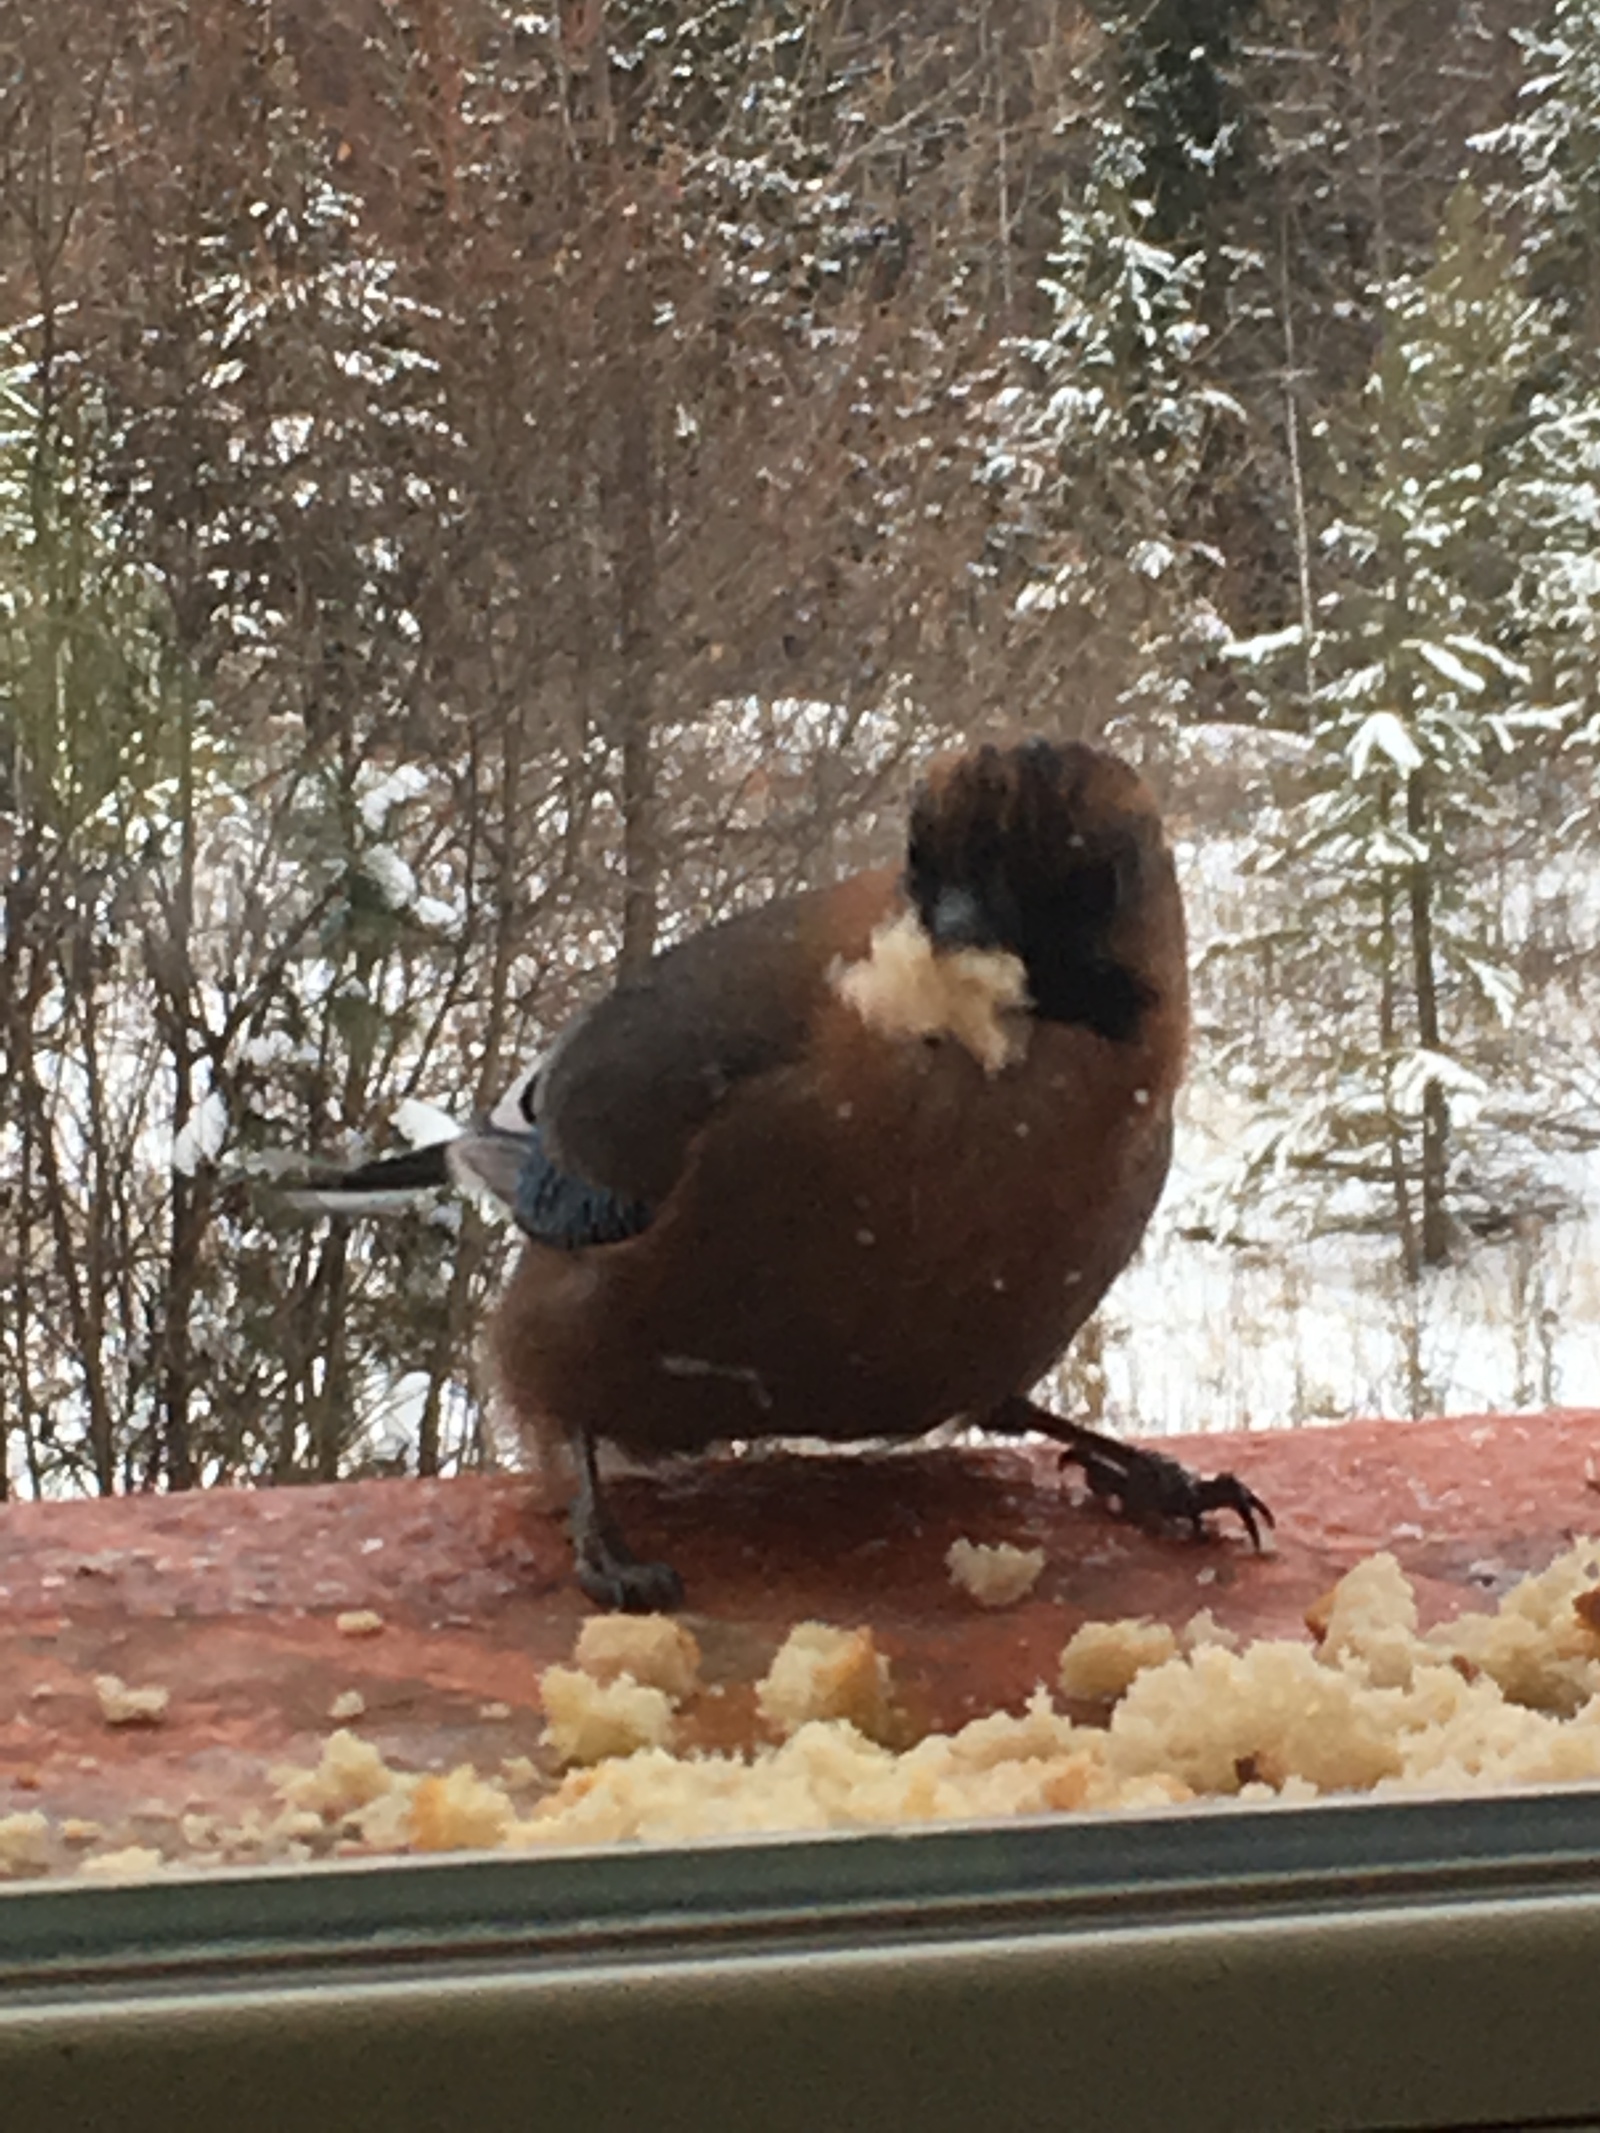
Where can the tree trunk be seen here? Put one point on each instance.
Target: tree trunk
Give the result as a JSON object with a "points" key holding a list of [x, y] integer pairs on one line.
{"points": [[188, 1205], [1291, 430], [1425, 980], [330, 1403], [636, 566], [639, 851], [1394, 1131]]}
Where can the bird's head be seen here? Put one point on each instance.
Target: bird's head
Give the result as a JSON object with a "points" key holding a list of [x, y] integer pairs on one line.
{"points": [[1051, 852]]}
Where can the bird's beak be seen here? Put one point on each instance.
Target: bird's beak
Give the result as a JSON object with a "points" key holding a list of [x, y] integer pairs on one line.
{"points": [[958, 920]]}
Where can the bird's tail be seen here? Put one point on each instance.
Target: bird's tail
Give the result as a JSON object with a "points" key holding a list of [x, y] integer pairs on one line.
{"points": [[485, 1160], [393, 1181]]}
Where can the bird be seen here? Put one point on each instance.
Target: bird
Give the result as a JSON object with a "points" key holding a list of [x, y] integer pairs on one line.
{"points": [[855, 1163]]}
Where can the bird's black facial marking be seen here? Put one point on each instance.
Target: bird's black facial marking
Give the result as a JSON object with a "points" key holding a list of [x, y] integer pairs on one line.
{"points": [[1025, 850]]}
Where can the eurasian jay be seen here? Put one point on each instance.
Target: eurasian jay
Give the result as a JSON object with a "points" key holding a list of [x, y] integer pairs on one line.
{"points": [[857, 1162]]}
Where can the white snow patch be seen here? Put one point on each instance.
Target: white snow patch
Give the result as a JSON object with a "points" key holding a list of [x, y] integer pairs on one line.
{"points": [[423, 1125], [1251, 651], [201, 1136], [388, 789], [394, 880], [1383, 734], [1454, 670]]}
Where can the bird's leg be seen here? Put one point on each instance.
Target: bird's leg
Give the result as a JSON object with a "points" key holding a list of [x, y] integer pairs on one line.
{"points": [[1145, 1486], [608, 1570]]}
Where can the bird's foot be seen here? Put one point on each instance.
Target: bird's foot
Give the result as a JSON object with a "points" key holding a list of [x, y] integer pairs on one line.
{"points": [[614, 1577], [1152, 1490], [1145, 1486], [608, 1570]]}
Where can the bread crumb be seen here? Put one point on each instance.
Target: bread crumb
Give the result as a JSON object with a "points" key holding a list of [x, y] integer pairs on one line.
{"points": [[135, 1862], [24, 1843], [351, 1773], [1101, 1659], [494, 1710], [587, 1720], [385, 1824], [348, 1704], [459, 1812], [905, 989], [358, 1622], [1371, 1617], [123, 1706], [78, 1829], [824, 1673], [653, 1649], [1204, 1628], [1216, 1719], [995, 1574], [1536, 1645], [1316, 1615], [1068, 1788]]}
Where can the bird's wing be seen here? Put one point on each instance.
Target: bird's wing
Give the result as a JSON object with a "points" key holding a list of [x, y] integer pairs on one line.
{"points": [[549, 1204], [587, 1143], [627, 1087]]}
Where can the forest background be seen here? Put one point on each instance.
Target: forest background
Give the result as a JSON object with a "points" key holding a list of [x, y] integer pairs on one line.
{"points": [[484, 491]]}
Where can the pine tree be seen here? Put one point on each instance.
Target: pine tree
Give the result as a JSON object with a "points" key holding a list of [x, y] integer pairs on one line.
{"points": [[1424, 729], [1548, 164], [1178, 63], [1100, 442], [1550, 156]]}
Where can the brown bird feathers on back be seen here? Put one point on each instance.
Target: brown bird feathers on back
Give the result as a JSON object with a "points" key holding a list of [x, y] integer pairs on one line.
{"points": [[862, 1160]]}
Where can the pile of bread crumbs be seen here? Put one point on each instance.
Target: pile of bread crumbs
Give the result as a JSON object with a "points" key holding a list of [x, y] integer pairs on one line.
{"points": [[1374, 1705]]}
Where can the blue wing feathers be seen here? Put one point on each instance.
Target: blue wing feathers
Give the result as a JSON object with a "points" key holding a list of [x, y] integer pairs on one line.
{"points": [[555, 1208]]}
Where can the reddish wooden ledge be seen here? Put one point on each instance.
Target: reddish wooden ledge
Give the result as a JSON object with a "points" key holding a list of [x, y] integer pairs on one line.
{"points": [[230, 1599]]}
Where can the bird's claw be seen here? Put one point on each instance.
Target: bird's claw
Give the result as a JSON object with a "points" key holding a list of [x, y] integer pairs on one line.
{"points": [[1152, 1490], [609, 1572], [614, 1578]]}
